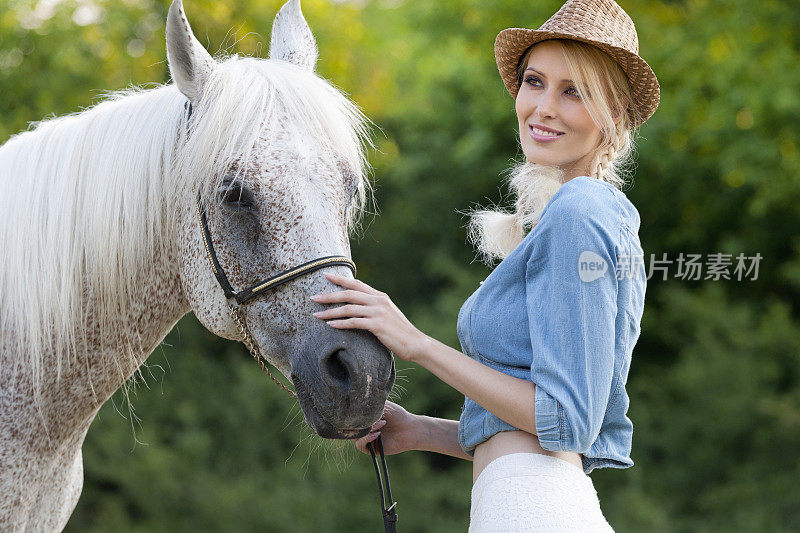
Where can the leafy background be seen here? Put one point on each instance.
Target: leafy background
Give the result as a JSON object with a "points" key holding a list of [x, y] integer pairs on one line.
{"points": [[714, 383]]}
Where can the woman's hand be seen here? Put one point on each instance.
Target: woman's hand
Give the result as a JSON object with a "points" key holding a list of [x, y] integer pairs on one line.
{"points": [[372, 310], [397, 428]]}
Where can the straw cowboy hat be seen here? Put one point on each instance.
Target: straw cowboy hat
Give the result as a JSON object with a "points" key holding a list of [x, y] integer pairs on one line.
{"points": [[601, 23]]}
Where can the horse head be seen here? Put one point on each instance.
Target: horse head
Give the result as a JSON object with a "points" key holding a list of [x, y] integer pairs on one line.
{"points": [[284, 186]]}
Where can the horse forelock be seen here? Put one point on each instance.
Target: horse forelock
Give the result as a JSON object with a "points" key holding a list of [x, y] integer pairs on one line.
{"points": [[311, 109]]}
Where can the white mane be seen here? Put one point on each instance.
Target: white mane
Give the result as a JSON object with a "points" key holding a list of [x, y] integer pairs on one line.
{"points": [[91, 198]]}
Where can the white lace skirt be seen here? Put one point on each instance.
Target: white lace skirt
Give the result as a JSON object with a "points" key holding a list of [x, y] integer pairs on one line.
{"points": [[534, 492]]}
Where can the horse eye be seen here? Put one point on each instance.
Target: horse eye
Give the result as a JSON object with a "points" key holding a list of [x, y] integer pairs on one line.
{"points": [[234, 196], [352, 188], [349, 176], [351, 185]]}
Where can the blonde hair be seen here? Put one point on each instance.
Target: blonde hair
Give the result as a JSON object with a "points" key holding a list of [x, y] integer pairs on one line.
{"points": [[605, 91]]}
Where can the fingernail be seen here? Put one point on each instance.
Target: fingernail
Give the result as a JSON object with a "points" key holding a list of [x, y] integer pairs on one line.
{"points": [[380, 423], [315, 297]]}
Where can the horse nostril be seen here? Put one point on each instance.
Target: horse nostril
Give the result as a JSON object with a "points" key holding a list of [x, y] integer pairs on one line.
{"points": [[337, 369]]}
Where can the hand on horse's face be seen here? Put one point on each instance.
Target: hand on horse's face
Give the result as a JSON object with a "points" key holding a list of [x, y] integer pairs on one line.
{"points": [[370, 309]]}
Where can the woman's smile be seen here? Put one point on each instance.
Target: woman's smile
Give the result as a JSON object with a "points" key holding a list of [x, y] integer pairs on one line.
{"points": [[544, 136]]}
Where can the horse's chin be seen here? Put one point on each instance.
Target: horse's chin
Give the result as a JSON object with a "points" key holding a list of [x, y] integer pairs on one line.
{"points": [[316, 420]]}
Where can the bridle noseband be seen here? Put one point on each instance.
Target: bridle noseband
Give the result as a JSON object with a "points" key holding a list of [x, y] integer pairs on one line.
{"points": [[249, 293], [236, 299]]}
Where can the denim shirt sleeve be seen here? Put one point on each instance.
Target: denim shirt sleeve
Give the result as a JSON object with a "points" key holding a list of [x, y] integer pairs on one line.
{"points": [[572, 316]]}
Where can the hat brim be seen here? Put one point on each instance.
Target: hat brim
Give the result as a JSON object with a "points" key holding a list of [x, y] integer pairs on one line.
{"points": [[511, 43]]}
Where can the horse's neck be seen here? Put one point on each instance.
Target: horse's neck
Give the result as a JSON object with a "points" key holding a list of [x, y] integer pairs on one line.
{"points": [[103, 367], [40, 462]]}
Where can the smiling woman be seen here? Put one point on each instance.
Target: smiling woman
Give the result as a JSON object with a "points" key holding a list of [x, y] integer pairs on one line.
{"points": [[546, 349], [566, 128]]}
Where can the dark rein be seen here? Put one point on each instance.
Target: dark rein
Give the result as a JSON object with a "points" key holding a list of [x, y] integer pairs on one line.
{"points": [[237, 299]]}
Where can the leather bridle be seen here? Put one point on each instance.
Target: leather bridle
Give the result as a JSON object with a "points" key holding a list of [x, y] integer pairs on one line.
{"points": [[245, 295], [236, 299]]}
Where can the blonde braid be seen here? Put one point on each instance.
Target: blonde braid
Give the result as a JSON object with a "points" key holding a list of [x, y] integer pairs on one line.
{"points": [[605, 158]]}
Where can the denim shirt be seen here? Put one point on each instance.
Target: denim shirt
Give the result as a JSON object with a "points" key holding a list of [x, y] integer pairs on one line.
{"points": [[563, 310]]}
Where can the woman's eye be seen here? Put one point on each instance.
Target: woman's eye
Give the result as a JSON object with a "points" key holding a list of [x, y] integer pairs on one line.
{"points": [[532, 79], [535, 79]]}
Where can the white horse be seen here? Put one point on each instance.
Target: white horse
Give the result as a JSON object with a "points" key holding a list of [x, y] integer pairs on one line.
{"points": [[103, 252]]}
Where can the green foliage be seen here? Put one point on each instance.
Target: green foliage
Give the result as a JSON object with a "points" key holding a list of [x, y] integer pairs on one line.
{"points": [[716, 373]]}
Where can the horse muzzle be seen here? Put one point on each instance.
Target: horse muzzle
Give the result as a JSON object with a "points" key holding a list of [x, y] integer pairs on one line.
{"points": [[342, 379]]}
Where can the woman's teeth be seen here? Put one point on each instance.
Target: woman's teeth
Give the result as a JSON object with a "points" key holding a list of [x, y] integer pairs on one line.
{"points": [[542, 132]]}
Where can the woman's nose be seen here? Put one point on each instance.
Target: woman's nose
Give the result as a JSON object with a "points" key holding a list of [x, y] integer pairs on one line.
{"points": [[546, 107]]}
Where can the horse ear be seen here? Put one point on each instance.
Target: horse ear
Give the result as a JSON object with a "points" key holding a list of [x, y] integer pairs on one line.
{"points": [[292, 39], [189, 63]]}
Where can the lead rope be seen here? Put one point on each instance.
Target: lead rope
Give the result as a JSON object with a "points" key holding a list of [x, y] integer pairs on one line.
{"points": [[389, 513], [238, 316]]}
